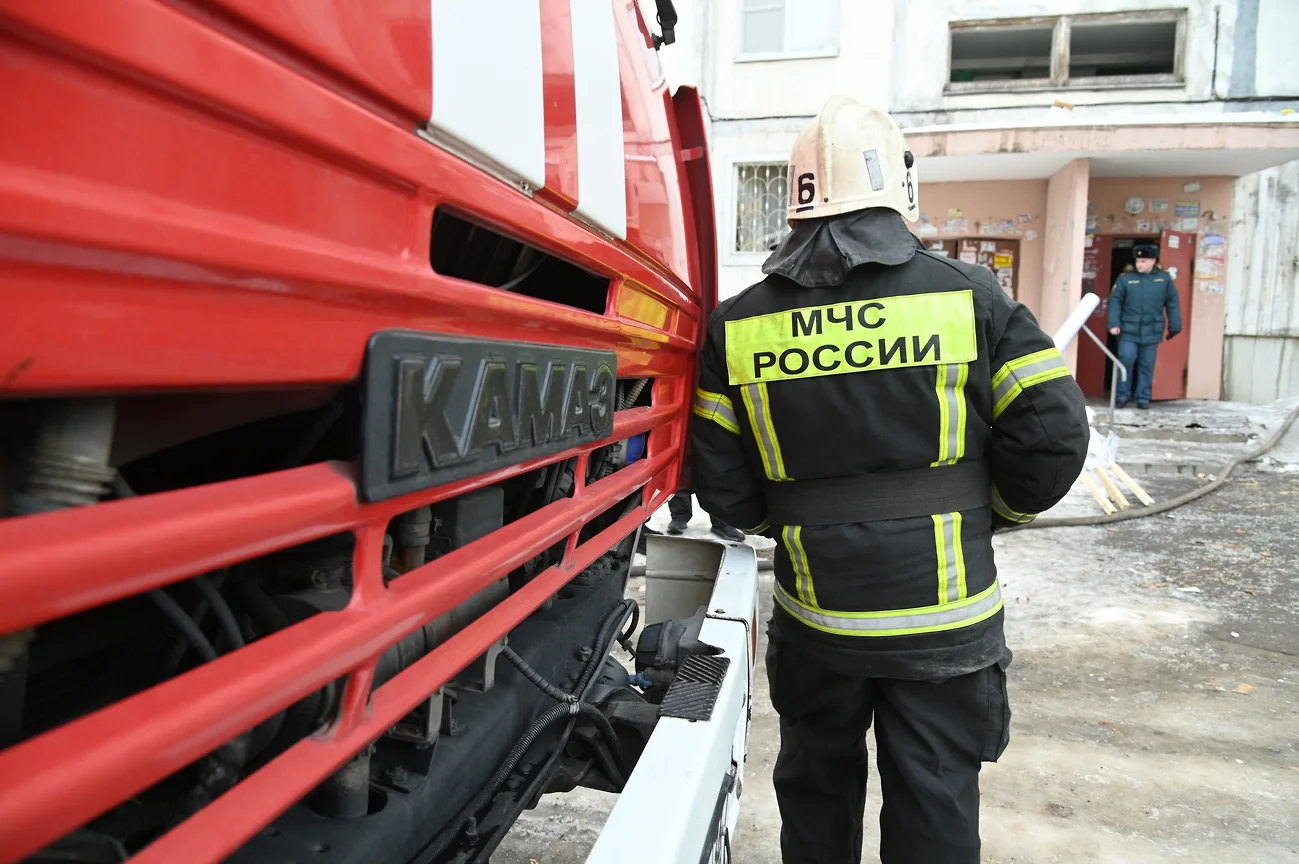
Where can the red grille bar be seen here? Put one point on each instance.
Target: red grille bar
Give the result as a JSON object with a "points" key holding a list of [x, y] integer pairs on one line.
{"points": [[148, 542], [114, 753]]}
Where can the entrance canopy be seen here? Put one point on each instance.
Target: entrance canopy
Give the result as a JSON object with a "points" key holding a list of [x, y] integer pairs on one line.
{"points": [[1220, 145]]}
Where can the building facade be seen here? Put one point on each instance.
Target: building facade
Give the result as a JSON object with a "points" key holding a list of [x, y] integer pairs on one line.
{"points": [[1050, 136]]}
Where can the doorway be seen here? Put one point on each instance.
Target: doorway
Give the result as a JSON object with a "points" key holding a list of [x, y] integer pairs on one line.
{"points": [[1122, 261], [1104, 260]]}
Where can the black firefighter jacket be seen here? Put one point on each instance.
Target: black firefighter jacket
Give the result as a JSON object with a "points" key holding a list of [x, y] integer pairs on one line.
{"points": [[895, 376]]}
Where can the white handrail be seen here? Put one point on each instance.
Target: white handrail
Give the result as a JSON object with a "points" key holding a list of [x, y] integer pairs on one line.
{"points": [[1077, 322], [1077, 318]]}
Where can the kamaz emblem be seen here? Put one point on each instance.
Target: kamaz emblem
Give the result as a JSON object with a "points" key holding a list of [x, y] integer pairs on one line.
{"points": [[441, 409]]}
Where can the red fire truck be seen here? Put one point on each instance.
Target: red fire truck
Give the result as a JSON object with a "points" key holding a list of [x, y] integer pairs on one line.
{"points": [[346, 345]]}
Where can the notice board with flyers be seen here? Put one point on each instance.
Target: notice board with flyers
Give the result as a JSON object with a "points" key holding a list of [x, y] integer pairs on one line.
{"points": [[999, 255]]}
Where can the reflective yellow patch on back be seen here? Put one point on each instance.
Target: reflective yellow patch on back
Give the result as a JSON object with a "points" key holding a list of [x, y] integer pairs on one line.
{"points": [[861, 336]]}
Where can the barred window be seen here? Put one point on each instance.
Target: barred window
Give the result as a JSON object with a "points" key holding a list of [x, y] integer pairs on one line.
{"points": [[760, 204]]}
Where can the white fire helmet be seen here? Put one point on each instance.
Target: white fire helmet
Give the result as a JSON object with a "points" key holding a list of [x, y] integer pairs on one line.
{"points": [[851, 157]]}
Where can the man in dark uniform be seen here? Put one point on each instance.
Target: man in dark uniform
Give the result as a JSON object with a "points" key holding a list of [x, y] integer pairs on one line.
{"points": [[880, 410], [682, 510], [1138, 306]]}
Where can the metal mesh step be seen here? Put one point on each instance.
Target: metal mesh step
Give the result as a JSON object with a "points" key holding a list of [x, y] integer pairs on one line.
{"points": [[694, 692]]}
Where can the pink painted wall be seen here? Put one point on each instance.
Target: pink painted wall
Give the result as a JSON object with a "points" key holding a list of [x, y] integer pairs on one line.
{"points": [[1051, 241], [1208, 307], [1062, 256], [986, 206]]}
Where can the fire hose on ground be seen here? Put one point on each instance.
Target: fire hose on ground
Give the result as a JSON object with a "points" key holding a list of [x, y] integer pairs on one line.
{"points": [[1171, 503]]}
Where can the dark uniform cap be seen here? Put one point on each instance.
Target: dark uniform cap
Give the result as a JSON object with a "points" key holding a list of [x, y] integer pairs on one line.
{"points": [[1146, 252]]}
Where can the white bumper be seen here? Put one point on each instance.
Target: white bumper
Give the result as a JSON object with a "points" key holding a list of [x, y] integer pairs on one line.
{"points": [[682, 803]]}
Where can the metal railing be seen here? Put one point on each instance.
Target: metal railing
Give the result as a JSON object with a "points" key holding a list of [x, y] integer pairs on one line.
{"points": [[1077, 323]]}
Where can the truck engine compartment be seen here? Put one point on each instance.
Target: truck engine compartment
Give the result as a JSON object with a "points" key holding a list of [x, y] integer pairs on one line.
{"points": [[545, 709]]}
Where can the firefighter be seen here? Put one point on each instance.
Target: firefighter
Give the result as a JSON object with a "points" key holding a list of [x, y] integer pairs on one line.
{"points": [[1138, 307], [880, 410]]}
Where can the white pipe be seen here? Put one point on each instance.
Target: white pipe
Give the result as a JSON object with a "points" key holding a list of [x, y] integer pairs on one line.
{"points": [[1077, 318]]}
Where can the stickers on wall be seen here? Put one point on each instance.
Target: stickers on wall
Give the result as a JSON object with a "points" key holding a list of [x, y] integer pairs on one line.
{"points": [[1209, 286], [1158, 205], [955, 213], [969, 256], [1187, 210], [956, 226], [1030, 235], [1024, 218], [1188, 224], [1134, 205], [1174, 242], [988, 246], [1003, 260], [998, 226], [1193, 186], [1209, 267], [1143, 225], [1006, 277], [927, 230]]}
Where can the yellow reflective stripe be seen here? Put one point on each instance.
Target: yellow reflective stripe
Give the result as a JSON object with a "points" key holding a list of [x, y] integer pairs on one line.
{"points": [[940, 548], [896, 622], [950, 386], [759, 528], [961, 589], [1021, 373], [857, 336], [951, 557], [758, 405], [944, 416], [716, 407], [1005, 511], [793, 537], [962, 377]]}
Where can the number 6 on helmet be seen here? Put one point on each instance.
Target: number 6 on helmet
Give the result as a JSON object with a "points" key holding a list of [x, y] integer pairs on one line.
{"points": [[852, 158]]}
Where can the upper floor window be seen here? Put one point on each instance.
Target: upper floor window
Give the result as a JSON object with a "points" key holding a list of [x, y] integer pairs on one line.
{"points": [[761, 202], [788, 28], [1118, 50]]}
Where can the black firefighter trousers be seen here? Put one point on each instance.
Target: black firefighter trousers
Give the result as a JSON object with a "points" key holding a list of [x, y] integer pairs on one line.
{"points": [[931, 737]]}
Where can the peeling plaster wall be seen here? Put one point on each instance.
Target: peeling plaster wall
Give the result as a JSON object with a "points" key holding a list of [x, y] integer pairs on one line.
{"points": [[1261, 362], [991, 204]]}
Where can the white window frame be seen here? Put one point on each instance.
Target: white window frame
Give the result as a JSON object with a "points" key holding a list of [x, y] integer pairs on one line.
{"points": [[742, 56], [1059, 77], [730, 255]]}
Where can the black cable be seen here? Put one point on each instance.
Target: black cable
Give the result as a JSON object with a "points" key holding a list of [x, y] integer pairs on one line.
{"points": [[1171, 503], [181, 646], [625, 639], [572, 707], [510, 816], [555, 712], [617, 772], [222, 610], [184, 623], [535, 677], [613, 622], [176, 614]]}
